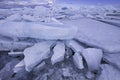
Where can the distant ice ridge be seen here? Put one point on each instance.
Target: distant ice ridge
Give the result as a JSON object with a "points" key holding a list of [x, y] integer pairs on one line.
{"points": [[38, 14], [60, 11]]}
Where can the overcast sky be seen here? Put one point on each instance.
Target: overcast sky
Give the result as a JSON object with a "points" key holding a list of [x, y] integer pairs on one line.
{"points": [[93, 1], [81, 1]]}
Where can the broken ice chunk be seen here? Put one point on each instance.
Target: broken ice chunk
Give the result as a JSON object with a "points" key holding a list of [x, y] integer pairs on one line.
{"points": [[29, 18], [14, 17], [59, 52], [66, 72], [77, 58], [35, 54], [75, 46], [15, 53], [90, 75], [93, 58], [19, 66], [55, 20]]}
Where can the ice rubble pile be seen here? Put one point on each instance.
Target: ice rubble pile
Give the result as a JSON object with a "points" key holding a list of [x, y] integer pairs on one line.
{"points": [[40, 51], [35, 55], [92, 56], [39, 13]]}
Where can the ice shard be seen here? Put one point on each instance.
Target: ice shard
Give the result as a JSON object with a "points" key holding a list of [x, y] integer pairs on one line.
{"points": [[78, 60], [14, 17], [35, 54], [93, 58], [15, 53], [75, 46], [20, 66], [58, 53]]}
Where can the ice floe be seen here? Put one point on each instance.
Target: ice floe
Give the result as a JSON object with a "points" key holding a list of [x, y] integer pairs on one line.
{"points": [[36, 30], [97, 34]]}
